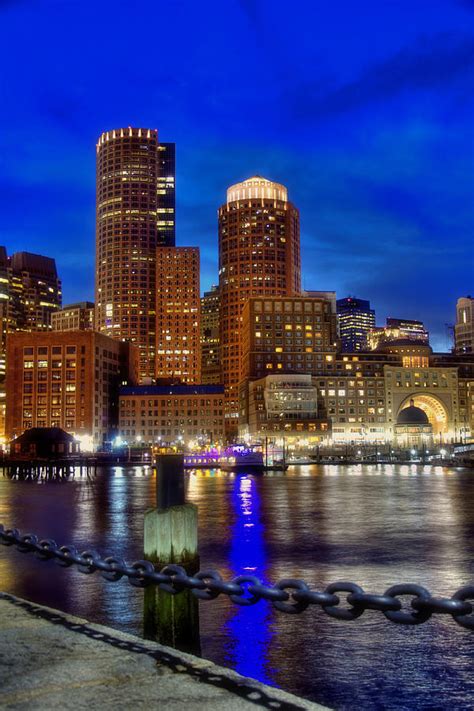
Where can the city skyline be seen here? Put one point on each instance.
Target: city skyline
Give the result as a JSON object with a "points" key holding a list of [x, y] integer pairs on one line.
{"points": [[370, 131]]}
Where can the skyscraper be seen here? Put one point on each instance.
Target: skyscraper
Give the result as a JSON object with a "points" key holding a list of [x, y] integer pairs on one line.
{"points": [[356, 319], [464, 327], [35, 289], [30, 293], [166, 210], [259, 255], [135, 183], [178, 348], [210, 352]]}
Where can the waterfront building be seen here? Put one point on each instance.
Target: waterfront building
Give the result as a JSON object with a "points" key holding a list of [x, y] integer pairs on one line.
{"points": [[413, 428], [464, 327], [172, 415], [259, 255], [360, 395], [44, 443], [74, 317], [284, 341], [67, 379], [135, 184], [356, 319], [210, 352], [282, 406], [289, 334], [178, 305], [30, 294], [396, 329]]}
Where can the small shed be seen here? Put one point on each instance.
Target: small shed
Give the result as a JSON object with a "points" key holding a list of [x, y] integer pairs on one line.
{"points": [[44, 442]]}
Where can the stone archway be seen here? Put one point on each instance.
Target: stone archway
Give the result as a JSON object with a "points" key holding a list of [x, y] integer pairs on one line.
{"points": [[435, 410]]}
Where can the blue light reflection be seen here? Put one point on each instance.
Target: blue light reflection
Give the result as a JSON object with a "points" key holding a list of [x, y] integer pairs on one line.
{"points": [[249, 628]]}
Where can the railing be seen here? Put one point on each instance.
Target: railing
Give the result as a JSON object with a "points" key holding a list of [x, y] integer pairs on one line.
{"points": [[289, 595]]}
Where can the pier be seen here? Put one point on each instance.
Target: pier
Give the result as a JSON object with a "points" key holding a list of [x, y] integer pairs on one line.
{"points": [[73, 664], [49, 469]]}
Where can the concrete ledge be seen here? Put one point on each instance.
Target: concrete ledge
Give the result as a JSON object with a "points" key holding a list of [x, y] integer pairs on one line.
{"points": [[50, 660]]}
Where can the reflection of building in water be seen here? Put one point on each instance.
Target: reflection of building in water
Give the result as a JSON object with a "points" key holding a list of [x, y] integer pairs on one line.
{"points": [[413, 428], [247, 556]]}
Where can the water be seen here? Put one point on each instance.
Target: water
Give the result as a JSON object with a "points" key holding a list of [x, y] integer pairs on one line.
{"points": [[375, 525]]}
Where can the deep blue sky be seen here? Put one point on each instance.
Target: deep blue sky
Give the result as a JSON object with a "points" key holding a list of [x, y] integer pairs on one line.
{"points": [[363, 109]]}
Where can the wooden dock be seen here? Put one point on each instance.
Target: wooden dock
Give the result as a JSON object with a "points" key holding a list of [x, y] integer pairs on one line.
{"points": [[49, 469]]}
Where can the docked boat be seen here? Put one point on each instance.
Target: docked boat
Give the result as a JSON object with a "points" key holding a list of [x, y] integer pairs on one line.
{"points": [[243, 458]]}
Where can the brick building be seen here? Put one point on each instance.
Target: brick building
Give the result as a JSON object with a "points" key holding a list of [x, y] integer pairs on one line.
{"points": [[172, 414], [66, 379], [178, 307], [259, 255]]}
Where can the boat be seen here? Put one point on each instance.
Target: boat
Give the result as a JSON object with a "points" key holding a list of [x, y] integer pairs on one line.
{"points": [[301, 460], [240, 457]]}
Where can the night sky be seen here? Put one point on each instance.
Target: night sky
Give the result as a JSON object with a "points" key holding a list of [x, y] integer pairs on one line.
{"points": [[364, 110]]}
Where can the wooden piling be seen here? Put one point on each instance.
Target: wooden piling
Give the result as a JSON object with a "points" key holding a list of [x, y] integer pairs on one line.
{"points": [[170, 536]]}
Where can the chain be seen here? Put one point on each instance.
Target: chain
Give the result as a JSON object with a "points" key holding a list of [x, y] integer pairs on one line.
{"points": [[288, 595]]}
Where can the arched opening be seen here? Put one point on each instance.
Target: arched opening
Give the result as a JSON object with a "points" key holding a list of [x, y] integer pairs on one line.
{"points": [[434, 408]]}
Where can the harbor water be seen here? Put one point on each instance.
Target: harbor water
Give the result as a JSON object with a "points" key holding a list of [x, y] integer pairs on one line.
{"points": [[375, 525]]}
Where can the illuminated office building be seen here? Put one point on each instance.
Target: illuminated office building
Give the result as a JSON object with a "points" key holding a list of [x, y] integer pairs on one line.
{"points": [[356, 319], [30, 293], [464, 327], [75, 317], [358, 398], [178, 348], [396, 329], [35, 290], [259, 255], [172, 415], [135, 198], [67, 379], [166, 191], [210, 358], [286, 334]]}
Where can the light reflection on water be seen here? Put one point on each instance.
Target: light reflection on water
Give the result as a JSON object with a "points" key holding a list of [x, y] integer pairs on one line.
{"points": [[247, 556], [375, 525]]}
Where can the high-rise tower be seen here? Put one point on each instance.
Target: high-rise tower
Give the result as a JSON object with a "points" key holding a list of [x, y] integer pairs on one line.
{"points": [[135, 183], [259, 255], [166, 218], [178, 348], [464, 328], [356, 319], [210, 357]]}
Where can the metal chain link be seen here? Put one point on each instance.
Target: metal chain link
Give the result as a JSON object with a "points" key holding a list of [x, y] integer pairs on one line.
{"points": [[288, 595]]}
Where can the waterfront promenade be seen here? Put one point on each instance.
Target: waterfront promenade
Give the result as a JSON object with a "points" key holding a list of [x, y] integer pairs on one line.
{"points": [[50, 660]]}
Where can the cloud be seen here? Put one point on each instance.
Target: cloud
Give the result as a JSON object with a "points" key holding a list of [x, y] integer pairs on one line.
{"points": [[429, 63]]}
